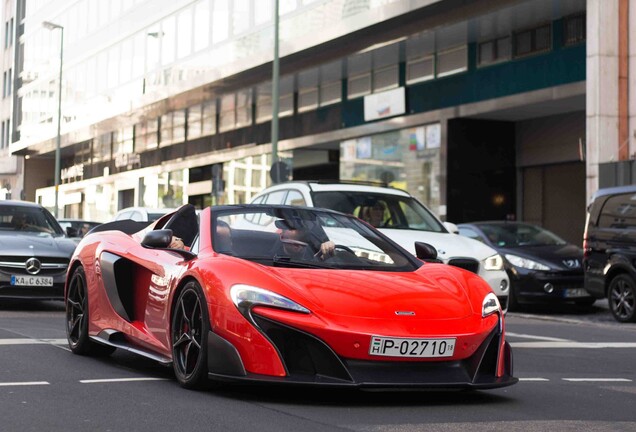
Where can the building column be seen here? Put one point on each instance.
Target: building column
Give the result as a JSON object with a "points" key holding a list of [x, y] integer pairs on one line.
{"points": [[602, 94], [631, 82]]}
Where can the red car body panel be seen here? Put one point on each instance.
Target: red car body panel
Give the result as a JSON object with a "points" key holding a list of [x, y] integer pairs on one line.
{"points": [[346, 307]]}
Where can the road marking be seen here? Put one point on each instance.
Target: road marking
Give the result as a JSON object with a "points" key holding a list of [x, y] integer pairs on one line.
{"points": [[544, 338], [533, 379], [107, 380], [572, 344], [30, 383], [597, 379], [27, 341]]}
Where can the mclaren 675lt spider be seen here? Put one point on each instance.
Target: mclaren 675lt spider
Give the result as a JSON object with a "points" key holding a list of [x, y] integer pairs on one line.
{"points": [[288, 295]]}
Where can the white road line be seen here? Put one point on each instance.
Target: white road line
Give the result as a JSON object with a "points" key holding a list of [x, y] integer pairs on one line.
{"points": [[571, 344], [107, 380], [597, 379], [533, 379], [527, 336], [28, 341], [31, 383]]}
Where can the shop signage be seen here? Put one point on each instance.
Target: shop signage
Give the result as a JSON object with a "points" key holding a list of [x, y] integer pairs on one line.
{"points": [[72, 172], [386, 104]]}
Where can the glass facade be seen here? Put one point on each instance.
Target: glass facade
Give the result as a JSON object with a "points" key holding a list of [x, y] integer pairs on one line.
{"points": [[148, 104], [408, 159]]}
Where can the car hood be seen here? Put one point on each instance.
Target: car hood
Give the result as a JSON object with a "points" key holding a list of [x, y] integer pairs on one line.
{"points": [[564, 257], [26, 244], [448, 245], [379, 295]]}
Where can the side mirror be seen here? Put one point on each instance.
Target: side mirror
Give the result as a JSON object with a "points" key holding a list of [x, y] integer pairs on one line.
{"points": [[161, 239], [451, 227], [71, 232], [426, 252], [157, 239]]}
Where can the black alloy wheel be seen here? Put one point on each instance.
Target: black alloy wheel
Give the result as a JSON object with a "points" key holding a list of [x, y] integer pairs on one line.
{"points": [[622, 298], [77, 318], [190, 327]]}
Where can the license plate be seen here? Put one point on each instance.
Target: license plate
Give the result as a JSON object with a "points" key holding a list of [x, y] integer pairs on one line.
{"points": [[419, 348], [575, 292], [31, 280]]}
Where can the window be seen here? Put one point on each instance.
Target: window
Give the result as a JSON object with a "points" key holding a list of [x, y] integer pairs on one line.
{"points": [[385, 73], [264, 102], [574, 29], [146, 135], [123, 140], [532, 41], [330, 83], [359, 75], [209, 118], [295, 198], [452, 61], [619, 212], [308, 90], [469, 232], [178, 125], [227, 114], [194, 122], [243, 108], [102, 148], [494, 51]]}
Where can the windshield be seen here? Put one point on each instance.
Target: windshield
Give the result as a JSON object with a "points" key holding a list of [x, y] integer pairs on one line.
{"points": [[380, 210], [516, 234], [27, 219], [285, 236]]}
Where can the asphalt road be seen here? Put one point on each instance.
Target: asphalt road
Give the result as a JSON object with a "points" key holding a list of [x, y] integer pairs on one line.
{"points": [[576, 370]]}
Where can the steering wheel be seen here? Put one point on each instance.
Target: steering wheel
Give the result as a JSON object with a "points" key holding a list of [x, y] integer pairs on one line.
{"points": [[386, 222], [344, 248]]}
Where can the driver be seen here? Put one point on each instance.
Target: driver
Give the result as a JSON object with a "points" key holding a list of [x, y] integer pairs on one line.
{"points": [[296, 244], [19, 222]]}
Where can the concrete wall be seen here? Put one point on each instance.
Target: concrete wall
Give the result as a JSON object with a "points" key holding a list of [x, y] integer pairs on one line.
{"points": [[549, 140], [39, 174]]}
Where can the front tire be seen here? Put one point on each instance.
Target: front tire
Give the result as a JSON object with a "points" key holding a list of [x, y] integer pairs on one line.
{"points": [[190, 327], [77, 318], [621, 296]]}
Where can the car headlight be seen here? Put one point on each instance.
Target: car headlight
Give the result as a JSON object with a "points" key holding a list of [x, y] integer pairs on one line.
{"points": [[246, 296], [494, 262], [490, 305], [526, 263]]}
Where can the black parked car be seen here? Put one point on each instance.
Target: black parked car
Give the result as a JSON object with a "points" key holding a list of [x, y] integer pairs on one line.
{"points": [[542, 267], [35, 252], [609, 247]]}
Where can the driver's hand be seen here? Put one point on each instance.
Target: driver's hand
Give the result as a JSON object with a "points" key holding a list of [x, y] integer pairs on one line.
{"points": [[327, 249], [176, 243]]}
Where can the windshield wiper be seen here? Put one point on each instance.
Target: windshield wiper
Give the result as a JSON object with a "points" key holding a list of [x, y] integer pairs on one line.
{"points": [[286, 261]]}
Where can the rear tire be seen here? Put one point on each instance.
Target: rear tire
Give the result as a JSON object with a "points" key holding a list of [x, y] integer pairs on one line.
{"points": [[621, 297], [77, 318], [189, 335]]}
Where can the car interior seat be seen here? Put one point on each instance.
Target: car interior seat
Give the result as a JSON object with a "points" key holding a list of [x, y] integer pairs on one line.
{"points": [[184, 224]]}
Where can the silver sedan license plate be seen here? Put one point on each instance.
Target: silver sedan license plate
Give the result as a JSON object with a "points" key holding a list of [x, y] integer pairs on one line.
{"points": [[408, 347], [19, 280]]}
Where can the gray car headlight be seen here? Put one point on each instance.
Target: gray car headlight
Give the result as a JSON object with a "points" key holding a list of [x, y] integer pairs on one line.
{"points": [[490, 305], [494, 262], [246, 296], [526, 263]]}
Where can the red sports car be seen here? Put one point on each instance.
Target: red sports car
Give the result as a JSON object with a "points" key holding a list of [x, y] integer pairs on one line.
{"points": [[280, 294]]}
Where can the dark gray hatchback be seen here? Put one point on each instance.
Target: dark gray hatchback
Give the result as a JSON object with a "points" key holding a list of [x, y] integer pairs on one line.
{"points": [[609, 250], [35, 252]]}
